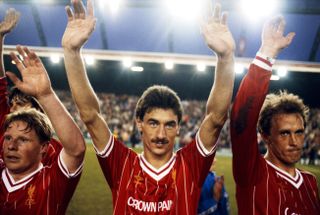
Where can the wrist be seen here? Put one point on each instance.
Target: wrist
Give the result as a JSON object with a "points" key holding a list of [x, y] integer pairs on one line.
{"points": [[71, 51], [226, 57], [268, 52]]}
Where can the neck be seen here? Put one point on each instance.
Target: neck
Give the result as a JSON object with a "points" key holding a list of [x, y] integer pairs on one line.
{"points": [[157, 161], [289, 168], [17, 176]]}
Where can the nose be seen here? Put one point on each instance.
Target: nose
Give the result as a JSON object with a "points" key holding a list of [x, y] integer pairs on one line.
{"points": [[161, 132], [293, 140], [11, 144]]}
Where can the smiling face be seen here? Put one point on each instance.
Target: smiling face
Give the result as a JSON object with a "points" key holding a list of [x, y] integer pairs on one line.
{"points": [[22, 149], [158, 128], [286, 139]]}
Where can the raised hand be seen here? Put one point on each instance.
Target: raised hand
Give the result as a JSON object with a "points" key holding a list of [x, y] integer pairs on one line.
{"points": [[81, 24], [217, 34], [273, 40], [35, 80], [10, 21]]}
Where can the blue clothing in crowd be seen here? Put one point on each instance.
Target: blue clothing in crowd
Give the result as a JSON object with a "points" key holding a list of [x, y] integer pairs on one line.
{"points": [[207, 204]]}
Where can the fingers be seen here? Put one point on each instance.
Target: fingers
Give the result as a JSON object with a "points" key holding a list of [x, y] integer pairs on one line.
{"points": [[281, 24], [29, 58], [24, 56], [82, 11], [15, 80], [217, 12], [290, 37], [224, 18], [17, 61], [90, 9], [69, 13], [78, 10]]}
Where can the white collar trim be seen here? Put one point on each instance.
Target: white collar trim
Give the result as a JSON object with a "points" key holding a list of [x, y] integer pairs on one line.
{"points": [[295, 181], [12, 185], [157, 174]]}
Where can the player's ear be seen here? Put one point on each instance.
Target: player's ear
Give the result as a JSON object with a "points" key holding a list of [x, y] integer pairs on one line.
{"points": [[139, 124], [178, 130], [44, 148]]}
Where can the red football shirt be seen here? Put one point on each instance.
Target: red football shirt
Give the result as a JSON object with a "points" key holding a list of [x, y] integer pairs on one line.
{"points": [[138, 188], [261, 187], [54, 146], [46, 191]]}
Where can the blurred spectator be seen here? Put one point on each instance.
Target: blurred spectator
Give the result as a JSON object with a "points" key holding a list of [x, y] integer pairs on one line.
{"points": [[213, 197], [120, 108]]}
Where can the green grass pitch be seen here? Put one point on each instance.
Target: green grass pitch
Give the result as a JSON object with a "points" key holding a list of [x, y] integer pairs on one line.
{"points": [[93, 195]]}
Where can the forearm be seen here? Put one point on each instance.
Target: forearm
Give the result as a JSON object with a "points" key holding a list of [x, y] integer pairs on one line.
{"points": [[221, 93], [82, 92], [218, 102], [67, 131], [85, 99]]}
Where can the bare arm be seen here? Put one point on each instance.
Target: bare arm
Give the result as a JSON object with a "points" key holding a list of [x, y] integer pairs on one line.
{"points": [[219, 39], [10, 21], [35, 82], [80, 26]]}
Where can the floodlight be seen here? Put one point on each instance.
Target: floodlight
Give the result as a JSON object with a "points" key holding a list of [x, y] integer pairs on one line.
{"points": [[275, 78], [184, 9], [55, 59], [127, 62], [239, 68], [256, 9], [89, 60], [201, 67], [137, 68], [282, 71], [168, 65]]}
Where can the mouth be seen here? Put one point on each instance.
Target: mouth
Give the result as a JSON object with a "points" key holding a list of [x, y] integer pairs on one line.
{"points": [[11, 158]]}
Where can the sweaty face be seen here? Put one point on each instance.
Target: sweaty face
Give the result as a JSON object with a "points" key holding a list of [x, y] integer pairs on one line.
{"points": [[159, 129], [18, 103], [286, 138], [21, 149]]}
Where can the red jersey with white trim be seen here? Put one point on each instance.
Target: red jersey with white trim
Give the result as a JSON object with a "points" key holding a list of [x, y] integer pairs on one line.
{"points": [[54, 146], [261, 187], [47, 191], [138, 188]]}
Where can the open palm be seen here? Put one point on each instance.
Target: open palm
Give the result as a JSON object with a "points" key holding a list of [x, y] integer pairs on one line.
{"points": [[217, 34], [80, 25], [35, 80]]}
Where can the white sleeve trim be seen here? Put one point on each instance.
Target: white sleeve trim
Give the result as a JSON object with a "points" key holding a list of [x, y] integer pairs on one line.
{"points": [[262, 64], [203, 151], [108, 148], [65, 170]]}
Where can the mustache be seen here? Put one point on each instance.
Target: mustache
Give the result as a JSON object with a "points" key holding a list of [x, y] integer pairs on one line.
{"points": [[160, 140]]}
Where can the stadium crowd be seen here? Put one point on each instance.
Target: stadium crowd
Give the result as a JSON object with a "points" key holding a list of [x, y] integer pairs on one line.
{"points": [[119, 109]]}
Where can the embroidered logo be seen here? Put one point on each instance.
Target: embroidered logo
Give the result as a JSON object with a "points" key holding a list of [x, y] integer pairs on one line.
{"points": [[31, 201], [138, 180]]}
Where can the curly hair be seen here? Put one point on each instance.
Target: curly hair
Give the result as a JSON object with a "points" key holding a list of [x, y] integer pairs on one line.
{"points": [[280, 103]]}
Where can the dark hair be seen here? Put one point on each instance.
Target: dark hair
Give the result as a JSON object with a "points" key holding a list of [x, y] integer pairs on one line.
{"points": [[35, 120], [158, 96], [16, 93], [281, 103]]}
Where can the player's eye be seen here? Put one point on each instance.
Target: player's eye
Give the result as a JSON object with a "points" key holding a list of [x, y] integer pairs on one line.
{"points": [[7, 138]]}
